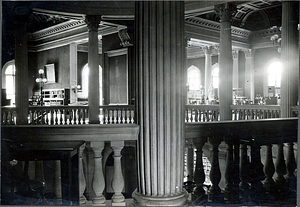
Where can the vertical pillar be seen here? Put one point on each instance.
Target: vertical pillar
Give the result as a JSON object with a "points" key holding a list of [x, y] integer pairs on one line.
{"points": [[235, 75], [93, 62], [208, 53], [21, 62], [249, 74], [226, 63], [82, 181], [160, 49], [289, 57], [73, 72]]}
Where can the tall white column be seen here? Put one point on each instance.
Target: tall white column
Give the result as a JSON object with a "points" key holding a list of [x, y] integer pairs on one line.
{"points": [[249, 74], [73, 72], [235, 75], [208, 54], [160, 49]]}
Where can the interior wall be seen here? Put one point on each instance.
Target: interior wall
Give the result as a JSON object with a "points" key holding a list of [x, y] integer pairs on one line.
{"points": [[61, 59], [262, 58]]}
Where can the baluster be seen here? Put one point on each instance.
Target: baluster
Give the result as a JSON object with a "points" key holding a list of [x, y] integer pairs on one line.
{"points": [[118, 180], [193, 115], [123, 116], [256, 171], [58, 117], [54, 116], [35, 117], [252, 113], [4, 119], [119, 116], [128, 116], [199, 175], [82, 181], [244, 166], [72, 116], [14, 118], [9, 117], [67, 116], [280, 169], [106, 116], [229, 170], [101, 116], [47, 122], [77, 116], [132, 116], [57, 183], [196, 115], [81, 117], [269, 170], [189, 115], [98, 179], [110, 116], [63, 116], [291, 166], [86, 116], [215, 173]]}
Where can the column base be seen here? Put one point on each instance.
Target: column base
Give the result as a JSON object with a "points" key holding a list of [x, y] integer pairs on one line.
{"points": [[143, 200]]}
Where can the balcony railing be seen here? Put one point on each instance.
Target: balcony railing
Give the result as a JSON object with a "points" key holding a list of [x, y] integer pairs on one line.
{"points": [[208, 113], [100, 142], [242, 155], [70, 115]]}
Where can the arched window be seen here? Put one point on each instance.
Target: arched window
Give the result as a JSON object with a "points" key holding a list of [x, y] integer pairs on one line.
{"points": [[194, 78], [274, 74], [215, 75], [8, 80], [85, 82]]}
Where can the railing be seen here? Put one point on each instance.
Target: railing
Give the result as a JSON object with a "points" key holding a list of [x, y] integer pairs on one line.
{"points": [[201, 113], [70, 115], [208, 113], [246, 148], [100, 142]]}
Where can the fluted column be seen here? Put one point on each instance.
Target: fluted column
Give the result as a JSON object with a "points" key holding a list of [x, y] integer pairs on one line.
{"points": [[118, 180], [93, 62], [208, 54], [21, 62], [98, 179], [235, 75], [226, 63], [249, 74], [289, 57], [160, 49]]}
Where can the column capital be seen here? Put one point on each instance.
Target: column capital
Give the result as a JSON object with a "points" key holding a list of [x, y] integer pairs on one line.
{"points": [[217, 48], [207, 50], [235, 54], [92, 22], [225, 11], [249, 53]]}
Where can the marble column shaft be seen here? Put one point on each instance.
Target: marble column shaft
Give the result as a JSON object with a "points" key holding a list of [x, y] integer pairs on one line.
{"points": [[235, 75], [289, 57], [208, 54], [160, 46], [21, 63], [93, 62], [249, 74], [225, 62]]}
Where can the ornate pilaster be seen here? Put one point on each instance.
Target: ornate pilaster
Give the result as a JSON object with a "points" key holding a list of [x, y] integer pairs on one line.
{"points": [[235, 76], [208, 54], [93, 61], [289, 57], [21, 62], [249, 74], [225, 12], [160, 49]]}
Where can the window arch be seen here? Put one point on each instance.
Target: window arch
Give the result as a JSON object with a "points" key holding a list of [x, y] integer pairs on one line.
{"points": [[194, 78], [274, 73], [215, 75], [85, 82], [9, 79]]}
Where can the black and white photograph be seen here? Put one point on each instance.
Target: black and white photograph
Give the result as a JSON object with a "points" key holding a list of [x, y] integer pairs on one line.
{"points": [[150, 103]]}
